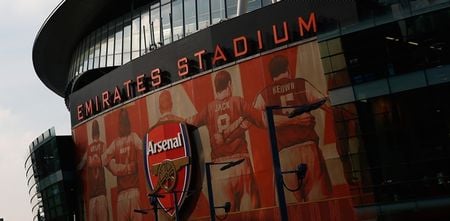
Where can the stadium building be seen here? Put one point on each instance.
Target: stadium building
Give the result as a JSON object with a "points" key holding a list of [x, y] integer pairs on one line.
{"points": [[246, 110]]}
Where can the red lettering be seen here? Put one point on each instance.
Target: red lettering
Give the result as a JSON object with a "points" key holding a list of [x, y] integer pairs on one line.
{"points": [[88, 108], [199, 55], [183, 67], [238, 53], [105, 98], [127, 88], [80, 112], [311, 22], [275, 34], [117, 96], [218, 55], [140, 83], [96, 104], [260, 43], [156, 77]]}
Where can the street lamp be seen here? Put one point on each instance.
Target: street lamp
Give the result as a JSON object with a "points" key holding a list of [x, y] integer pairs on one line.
{"points": [[227, 165], [298, 110], [300, 172]]}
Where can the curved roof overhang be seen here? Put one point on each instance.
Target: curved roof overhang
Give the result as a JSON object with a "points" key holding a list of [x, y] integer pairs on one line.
{"points": [[67, 25]]}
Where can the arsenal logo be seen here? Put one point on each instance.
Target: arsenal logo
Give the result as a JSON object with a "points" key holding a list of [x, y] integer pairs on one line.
{"points": [[167, 162]]}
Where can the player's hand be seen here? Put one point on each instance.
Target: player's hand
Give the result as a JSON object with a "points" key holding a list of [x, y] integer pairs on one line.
{"points": [[245, 124], [218, 138]]}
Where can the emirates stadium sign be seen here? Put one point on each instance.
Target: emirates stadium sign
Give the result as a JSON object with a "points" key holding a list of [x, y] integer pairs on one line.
{"points": [[167, 163]]}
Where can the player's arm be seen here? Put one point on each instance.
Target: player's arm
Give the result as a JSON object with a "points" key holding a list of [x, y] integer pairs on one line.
{"points": [[118, 169], [239, 126], [233, 131], [305, 120], [260, 104], [136, 141], [82, 161], [108, 154], [252, 114], [131, 167], [198, 119], [94, 161]]}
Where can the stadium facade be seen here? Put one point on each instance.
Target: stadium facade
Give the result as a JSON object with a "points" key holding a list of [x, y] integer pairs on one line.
{"points": [[251, 109]]}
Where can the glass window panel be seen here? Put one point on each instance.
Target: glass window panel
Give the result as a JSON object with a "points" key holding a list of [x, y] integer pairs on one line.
{"points": [[52, 214], [59, 211], [118, 45], [438, 75], [58, 199], [338, 62], [365, 61], [80, 57], [253, 5], [86, 55], [326, 63], [155, 26], [71, 74], [177, 18], [338, 79], [189, 16], [203, 14], [145, 31], [135, 41], [323, 47], [231, 8], [371, 89], [407, 82], [217, 10], [126, 42], [342, 95], [334, 46], [77, 61], [51, 202], [266, 2], [91, 52], [165, 15], [97, 49], [110, 57], [103, 47]]}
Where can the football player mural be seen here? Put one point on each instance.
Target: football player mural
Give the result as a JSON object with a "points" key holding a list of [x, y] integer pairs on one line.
{"points": [[227, 109]]}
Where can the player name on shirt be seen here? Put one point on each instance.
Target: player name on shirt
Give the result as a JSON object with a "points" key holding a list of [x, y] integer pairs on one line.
{"points": [[222, 106], [165, 145], [280, 89]]}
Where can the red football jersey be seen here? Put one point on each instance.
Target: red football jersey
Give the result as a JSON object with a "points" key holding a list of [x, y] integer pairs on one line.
{"points": [[125, 152], [287, 92], [225, 117], [95, 172]]}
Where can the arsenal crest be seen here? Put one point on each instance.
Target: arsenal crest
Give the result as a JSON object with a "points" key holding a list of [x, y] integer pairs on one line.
{"points": [[167, 162]]}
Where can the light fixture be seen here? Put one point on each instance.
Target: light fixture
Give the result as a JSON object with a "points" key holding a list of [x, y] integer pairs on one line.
{"points": [[307, 108], [226, 166]]}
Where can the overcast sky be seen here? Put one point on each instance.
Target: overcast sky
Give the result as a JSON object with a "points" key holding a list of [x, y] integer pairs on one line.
{"points": [[27, 107]]}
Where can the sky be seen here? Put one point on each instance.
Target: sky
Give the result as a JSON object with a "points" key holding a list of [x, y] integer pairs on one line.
{"points": [[27, 106]]}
